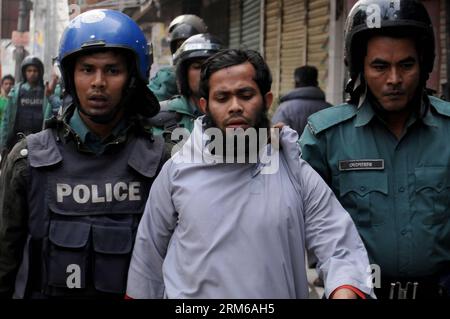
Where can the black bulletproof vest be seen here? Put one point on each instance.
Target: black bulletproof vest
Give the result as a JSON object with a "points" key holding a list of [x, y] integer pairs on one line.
{"points": [[84, 213], [29, 117]]}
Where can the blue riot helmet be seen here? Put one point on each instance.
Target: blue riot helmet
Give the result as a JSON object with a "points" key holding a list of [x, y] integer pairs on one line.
{"points": [[100, 30]]}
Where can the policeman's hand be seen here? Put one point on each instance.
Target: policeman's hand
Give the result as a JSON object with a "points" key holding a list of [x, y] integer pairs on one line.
{"points": [[50, 87], [279, 125], [344, 293]]}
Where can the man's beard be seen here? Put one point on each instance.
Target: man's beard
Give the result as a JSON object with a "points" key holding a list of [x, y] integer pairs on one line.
{"points": [[231, 149]]}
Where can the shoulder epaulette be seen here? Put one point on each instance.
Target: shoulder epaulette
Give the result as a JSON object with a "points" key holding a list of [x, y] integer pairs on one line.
{"points": [[43, 150], [19, 151], [164, 106], [441, 106], [330, 117]]}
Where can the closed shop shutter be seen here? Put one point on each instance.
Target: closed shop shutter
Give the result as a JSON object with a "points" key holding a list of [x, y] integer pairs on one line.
{"points": [[318, 38], [235, 23], [284, 42], [245, 24], [292, 42], [251, 24], [272, 41]]}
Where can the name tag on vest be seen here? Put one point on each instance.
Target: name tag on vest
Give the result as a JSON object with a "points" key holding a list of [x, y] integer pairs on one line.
{"points": [[360, 165]]}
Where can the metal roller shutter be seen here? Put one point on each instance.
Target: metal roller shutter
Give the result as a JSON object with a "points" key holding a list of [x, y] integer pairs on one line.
{"points": [[235, 23], [272, 40], [245, 24], [318, 38], [251, 24], [292, 42]]}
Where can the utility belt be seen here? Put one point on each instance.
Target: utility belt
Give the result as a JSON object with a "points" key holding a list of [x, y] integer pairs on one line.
{"points": [[411, 288]]}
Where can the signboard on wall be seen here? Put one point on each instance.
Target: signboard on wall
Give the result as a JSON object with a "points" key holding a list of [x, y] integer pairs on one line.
{"points": [[20, 38]]}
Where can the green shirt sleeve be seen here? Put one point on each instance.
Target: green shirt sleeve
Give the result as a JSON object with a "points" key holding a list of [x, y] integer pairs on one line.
{"points": [[164, 84], [5, 124], [13, 217]]}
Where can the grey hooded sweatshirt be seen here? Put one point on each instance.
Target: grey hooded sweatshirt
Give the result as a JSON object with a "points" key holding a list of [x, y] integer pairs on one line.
{"points": [[213, 230]]}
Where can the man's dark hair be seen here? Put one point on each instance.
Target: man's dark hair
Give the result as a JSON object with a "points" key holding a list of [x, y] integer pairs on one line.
{"points": [[8, 77], [231, 57], [306, 76]]}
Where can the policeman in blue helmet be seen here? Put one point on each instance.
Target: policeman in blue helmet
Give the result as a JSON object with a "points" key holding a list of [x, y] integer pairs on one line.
{"points": [[71, 196]]}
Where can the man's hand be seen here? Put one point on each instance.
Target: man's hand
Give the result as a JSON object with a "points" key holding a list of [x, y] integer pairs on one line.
{"points": [[344, 293], [50, 87], [279, 125]]}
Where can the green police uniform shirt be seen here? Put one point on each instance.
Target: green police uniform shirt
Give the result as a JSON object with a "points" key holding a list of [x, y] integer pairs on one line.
{"points": [[3, 103], [396, 190], [187, 113], [90, 140]]}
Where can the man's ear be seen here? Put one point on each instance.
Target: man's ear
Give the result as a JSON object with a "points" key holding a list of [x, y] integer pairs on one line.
{"points": [[203, 105], [269, 100]]}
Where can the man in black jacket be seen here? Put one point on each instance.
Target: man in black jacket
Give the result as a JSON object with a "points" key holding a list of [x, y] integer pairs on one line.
{"points": [[306, 99]]}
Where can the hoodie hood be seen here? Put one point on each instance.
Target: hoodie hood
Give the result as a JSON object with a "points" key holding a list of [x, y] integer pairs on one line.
{"points": [[304, 93], [195, 150]]}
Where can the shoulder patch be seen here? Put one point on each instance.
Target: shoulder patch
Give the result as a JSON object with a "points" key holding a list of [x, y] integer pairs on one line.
{"points": [[331, 116], [441, 106], [164, 106]]}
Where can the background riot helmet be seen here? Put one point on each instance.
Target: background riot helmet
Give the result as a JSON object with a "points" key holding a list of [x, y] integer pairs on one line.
{"points": [[98, 31], [403, 18], [200, 46], [183, 27]]}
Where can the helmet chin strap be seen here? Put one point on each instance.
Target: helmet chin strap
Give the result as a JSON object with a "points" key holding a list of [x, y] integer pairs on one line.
{"points": [[107, 118]]}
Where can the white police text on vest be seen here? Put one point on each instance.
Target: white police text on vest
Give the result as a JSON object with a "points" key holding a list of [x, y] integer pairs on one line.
{"points": [[108, 193]]}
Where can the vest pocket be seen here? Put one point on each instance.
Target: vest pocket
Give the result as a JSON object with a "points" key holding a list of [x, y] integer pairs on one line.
{"points": [[112, 247], [67, 254]]}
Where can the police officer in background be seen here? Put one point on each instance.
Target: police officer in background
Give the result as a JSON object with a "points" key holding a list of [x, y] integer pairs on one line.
{"points": [[385, 153], [28, 106], [163, 84], [182, 110], [71, 196]]}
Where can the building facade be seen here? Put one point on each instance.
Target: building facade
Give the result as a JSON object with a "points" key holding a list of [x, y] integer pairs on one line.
{"points": [[291, 33], [288, 33]]}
